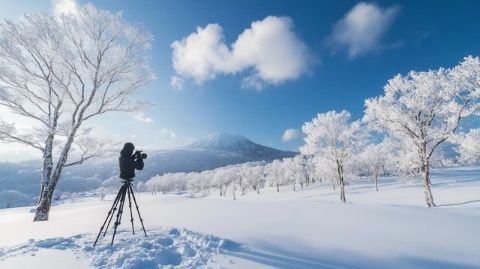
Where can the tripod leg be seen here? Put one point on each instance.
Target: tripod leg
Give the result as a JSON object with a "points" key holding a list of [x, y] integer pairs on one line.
{"points": [[119, 213], [111, 212], [138, 210], [130, 206], [114, 209]]}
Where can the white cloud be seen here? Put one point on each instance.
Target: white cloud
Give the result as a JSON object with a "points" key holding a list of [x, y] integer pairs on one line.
{"points": [[361, 30], [269, 49], [140, 116], [290, 134], [167, 134], [64, 7], [176, 82]]}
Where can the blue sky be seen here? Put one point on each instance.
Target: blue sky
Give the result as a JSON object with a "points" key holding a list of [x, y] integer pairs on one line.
{"points": [[342, 65]]}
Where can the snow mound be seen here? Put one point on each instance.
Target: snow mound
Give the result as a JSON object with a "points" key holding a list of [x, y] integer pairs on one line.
{"points": [[162, 248]]}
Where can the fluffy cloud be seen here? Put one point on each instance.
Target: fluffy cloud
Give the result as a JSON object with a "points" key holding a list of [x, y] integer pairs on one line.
{"points": [[290, 134], [140, 116], [269, 49], [176, 82], [64, 7], [361, 30]]}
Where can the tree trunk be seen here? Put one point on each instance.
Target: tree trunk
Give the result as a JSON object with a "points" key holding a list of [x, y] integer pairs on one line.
{"points": [[278, 188], [47, 151], [43, 208], [225, 190], [427, 184], [376, 180], [341, 182], [342, 192], [47, 165]]}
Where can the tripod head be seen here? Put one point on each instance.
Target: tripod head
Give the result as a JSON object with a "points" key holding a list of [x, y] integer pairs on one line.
{"points": [[127, 181]]}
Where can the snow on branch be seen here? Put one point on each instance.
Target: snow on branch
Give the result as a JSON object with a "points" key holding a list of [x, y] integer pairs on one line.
{"points": [[87, 148]]}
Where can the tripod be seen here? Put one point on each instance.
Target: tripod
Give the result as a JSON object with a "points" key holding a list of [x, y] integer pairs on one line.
{"points": [[125, 190]]}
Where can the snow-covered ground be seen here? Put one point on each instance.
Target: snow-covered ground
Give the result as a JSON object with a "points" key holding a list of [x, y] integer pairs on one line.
{"points": [[303, 229]]}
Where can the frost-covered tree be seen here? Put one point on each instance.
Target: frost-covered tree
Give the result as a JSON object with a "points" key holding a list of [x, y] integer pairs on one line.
{"points": [[405, 163], [426, 109], [254, 176], [289, 173], [296, 171], [102, 192], [309, 170], [323, 170], [333, 137], [468, 146], [61, 71], [168, 183], [374, 158], [222, 180], [274, 174], [195, 183]]}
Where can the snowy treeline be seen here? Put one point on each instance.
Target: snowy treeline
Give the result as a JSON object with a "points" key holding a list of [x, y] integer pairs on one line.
{"points": [[296, 172], [401, 133]]}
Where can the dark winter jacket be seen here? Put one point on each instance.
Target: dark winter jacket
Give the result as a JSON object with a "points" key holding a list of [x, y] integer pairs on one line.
{"points": [[127, 162]]}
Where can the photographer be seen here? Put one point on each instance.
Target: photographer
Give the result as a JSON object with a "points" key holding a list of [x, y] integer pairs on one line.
{"points": [[129, 161]]}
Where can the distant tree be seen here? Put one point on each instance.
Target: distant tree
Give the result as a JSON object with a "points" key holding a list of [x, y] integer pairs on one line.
{"points": [[254, 176], [323, 170], [468, 146], [425, 109], [102, 192], [274, 175], [61, 71], [295, 171], [333, 137], [374, 158]]}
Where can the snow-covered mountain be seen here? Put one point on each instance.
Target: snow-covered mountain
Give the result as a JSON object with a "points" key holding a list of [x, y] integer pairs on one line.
{"points": [[216, 150], [240, 145], [20, 182]]}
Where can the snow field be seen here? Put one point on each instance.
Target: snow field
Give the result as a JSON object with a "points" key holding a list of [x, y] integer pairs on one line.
{"points": [[308, 228]]}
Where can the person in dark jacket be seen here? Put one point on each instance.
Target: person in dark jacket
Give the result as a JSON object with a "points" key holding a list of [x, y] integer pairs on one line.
{"points": [[128, 163]]}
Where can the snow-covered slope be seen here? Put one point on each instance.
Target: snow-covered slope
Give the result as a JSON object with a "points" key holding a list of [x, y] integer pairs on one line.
{"points": [[296, 230], [217, 150], [241, 146]]}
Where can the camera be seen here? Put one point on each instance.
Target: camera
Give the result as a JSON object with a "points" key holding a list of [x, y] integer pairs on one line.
{"points": [[140, 155]]}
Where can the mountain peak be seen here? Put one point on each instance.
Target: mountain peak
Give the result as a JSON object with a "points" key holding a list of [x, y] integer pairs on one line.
{"points": [[222, 141], [223, 136]]}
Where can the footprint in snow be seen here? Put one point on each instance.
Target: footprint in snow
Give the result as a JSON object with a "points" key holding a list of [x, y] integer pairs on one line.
{"points": [[172, 248]]}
